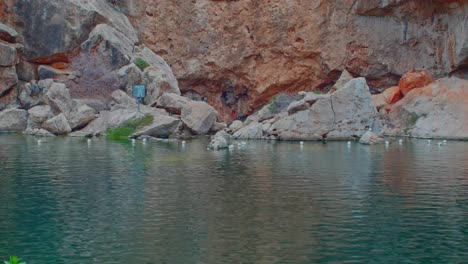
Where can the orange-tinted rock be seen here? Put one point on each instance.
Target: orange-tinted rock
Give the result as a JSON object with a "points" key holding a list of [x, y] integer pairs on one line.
{"points": [[239, 54], [439, 109], [393, 95], [60, 65], [413, 80]]}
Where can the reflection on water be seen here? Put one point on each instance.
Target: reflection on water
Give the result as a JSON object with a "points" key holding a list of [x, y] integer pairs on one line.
{"points": [[65, 201]]}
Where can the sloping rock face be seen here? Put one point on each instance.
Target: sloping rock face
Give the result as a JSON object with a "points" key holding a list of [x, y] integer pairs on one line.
{"points": [[53, 28], [238, 54], [438, 110]]}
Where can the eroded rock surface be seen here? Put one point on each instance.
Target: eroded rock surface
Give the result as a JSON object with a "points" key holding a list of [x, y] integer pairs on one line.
{"points": [[438, 110]]}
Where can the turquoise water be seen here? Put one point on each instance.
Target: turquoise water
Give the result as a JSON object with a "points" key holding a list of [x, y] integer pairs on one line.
{"points": [[65, 201]]}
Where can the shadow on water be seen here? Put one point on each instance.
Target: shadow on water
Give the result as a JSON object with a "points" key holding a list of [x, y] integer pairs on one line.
{"points": [[69, 201]]}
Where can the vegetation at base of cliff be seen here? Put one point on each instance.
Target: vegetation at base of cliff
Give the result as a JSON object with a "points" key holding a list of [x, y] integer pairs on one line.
{"points": [[141, 64], [129, 127], [282, 100], [14, 260]]}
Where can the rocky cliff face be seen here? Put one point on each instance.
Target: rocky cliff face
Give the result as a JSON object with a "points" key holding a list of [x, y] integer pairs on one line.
{"points": [[238, 54], [234, 54]]}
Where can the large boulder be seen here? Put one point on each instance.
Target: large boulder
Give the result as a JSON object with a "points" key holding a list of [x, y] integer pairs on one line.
{"points": [[254, 130], [52, 28], [38, 115], [162, 127], [110, 119], [264, 113], [58, 97], [81, 116], [199, 117], [160, 80], [58, 125], [8, 79], [172, 102], [13, 120], [370, 138], [8, 56], [112, 48], [121, 100], [235, 126], [26, 71], [347, 113], [129, 75], [387, 98], [438, 110], [413, 80], [31, 94], [220, 140]]}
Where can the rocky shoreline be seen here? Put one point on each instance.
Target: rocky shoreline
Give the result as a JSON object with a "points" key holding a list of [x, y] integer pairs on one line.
{"points": [[80, 85]]}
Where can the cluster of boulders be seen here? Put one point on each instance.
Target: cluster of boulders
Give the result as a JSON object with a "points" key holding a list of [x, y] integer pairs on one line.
{"points": [[80, 83], [72, 75], [418, 107], [347, 111]]}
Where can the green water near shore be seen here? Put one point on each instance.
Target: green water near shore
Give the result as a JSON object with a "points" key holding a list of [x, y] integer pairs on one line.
{"points": [[65, 201]]}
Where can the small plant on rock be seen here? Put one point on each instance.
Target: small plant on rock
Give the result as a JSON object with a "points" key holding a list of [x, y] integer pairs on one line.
{"points": [[129, 127], [14, 260], [141, 64]]}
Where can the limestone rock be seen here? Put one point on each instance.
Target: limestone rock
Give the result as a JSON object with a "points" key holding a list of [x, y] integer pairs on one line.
{"points": [[58, 97], [128, 76], [414, 79], [7, 33], [57, 125], [110, 119], [172, 102], [111, 46], [218, 126], [199, 117], [52, 28], [8, 79], [342, 81], [370, 138], [347, 113], [264, 113], [13, 120], [160, 80], [235, 126], [8, 56], [162, 127], [220, 140], [81, 116], [38, 115], [38, 132], [438, 110], [26, 71], [121, 99], [31, 94], [254, 130]]}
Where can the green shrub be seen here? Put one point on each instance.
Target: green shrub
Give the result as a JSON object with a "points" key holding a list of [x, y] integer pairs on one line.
{"points": [[14, 260], [128, 128], [141, 64]]}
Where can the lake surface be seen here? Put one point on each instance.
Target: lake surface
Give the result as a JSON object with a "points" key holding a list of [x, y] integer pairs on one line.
{"points": [[65, 201]]}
